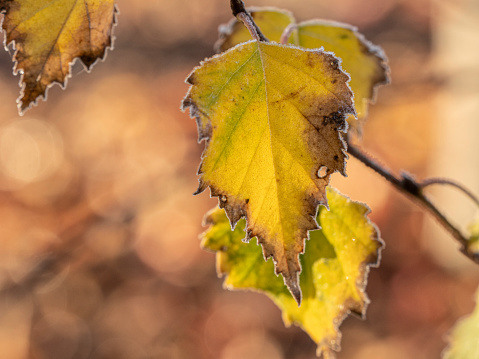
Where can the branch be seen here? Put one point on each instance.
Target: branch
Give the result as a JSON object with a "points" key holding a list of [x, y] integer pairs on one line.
{"points": [[447, 181], [406, 184], [239, 11]]}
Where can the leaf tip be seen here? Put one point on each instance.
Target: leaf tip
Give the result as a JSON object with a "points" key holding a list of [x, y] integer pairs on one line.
{"points": [[292, 282], [201, 187]]}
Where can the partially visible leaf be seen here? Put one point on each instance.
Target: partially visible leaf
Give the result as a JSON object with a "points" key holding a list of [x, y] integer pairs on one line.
{"points": [[271, 21], [473, 243], [49, 35], [272, 116], [335, 267], [365, 62], [464, 340]]}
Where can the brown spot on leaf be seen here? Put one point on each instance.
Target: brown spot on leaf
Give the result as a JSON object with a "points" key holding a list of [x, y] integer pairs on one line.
{"points": [[334, 64], [335, 118]]}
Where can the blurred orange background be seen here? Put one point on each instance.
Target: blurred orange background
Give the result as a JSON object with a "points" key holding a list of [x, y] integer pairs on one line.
{"points": [[99, 250]]}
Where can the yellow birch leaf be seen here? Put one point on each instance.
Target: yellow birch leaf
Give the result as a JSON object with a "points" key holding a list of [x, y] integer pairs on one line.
{"points": [[363, 61], [272, 116], [335, 267], [49, 34]]}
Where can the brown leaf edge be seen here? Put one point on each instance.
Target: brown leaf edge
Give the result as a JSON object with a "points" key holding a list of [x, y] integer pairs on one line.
{"points": [[88, 60], [383, 74]]}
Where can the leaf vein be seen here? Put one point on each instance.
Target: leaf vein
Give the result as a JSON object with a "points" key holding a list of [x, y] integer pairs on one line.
{"points": [[55, 42], [309, 75], [280, 219]]}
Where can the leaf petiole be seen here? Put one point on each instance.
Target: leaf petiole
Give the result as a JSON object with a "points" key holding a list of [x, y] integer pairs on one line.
{"points": [[240, 12], [406, 184], [287, 33]]}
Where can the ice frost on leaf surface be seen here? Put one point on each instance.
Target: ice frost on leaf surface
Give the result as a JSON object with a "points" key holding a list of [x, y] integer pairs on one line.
{"points": [[272, 117], [363, 61], [49, 34], [335, 267], [464, 340]]}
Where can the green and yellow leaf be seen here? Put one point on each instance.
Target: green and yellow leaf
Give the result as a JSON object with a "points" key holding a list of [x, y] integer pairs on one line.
{"points": [[363, 61], [48, 35], [272, 116], [464, 340], [335, 267]]}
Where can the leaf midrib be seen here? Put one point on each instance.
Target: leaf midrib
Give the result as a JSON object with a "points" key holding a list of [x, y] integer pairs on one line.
{"points": [[273, 157]]}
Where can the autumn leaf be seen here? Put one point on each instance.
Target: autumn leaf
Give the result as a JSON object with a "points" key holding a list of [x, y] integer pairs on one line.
{"points": [[335, 267], [464, 340], [272, 117], [363, 61], [48, 35]]}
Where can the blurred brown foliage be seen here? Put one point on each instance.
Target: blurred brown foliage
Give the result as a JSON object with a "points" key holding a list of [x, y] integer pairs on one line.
{"points": [[99, 250]]}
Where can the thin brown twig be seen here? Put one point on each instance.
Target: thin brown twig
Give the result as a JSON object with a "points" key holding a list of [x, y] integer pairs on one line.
{"points": [[446, 181], [406, 184]]}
